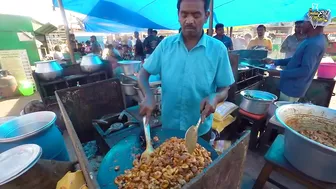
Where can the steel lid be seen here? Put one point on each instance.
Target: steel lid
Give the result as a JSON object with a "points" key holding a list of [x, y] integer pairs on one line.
{"points": [[16, 161]]}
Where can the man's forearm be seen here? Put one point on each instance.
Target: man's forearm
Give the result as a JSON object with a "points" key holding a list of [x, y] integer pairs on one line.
{"points": [[144, 83], [222, 94]]}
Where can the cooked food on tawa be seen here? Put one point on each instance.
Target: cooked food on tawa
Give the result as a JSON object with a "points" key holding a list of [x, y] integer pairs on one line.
{"points": [[320, 129], [170, 166]]}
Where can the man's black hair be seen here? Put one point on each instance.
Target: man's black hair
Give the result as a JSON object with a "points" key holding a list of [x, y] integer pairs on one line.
{"points": [[298, 22], [219, 26], [262, 26], [94, 37], [155, 31], [206, 5]]}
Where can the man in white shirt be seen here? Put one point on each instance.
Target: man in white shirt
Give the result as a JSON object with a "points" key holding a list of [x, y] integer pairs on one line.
{"points": [[58, 55]]}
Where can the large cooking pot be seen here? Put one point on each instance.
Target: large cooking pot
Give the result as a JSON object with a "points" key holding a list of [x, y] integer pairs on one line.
{"points": [[48, 70], [274, 106], [256, 102], [310, 157], [34, 128], [91, 63], [130, 67]]}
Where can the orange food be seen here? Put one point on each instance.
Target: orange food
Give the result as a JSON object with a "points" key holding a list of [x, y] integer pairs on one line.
{"points": [[170, 166]]}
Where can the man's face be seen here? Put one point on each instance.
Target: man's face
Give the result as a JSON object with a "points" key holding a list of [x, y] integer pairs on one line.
{"points": [[92, 39], [136, 34], [220, 31], [306, 27], [261, 32], [298, 28], [192, 17]]}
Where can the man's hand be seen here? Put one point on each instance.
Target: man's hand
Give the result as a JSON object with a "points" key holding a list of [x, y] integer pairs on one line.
{"points": [[268, 61], [147, 106], [208, 106]]}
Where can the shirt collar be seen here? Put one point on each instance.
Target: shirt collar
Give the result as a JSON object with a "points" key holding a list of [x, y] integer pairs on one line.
{"points": [[201, 42]]}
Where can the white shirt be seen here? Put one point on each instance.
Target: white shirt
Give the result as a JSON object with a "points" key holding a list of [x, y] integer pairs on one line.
{"points": [[58, 55]]}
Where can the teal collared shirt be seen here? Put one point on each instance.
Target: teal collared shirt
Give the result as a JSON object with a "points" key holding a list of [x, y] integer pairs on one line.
{"points": [[187, 77]]}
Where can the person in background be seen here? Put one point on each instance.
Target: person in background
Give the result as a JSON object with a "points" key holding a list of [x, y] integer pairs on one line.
{"points": [[261, 42], [155, 32], [95, 46], [195, 72], [238, 42], [130, 42], [138, 47], [247, 38], [73, 42], [291, 43], [300, 69], [150, 42], [222, 37], [87, 47], [81, 49], [113, 56], [58, 55]]}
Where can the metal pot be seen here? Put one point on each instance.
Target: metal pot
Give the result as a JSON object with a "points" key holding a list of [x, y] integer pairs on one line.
{"points": [[91, 63], [275, 105], [128, 87], [48, 70], [130, 67], [154, 91], [256, 102], [308, 156]]}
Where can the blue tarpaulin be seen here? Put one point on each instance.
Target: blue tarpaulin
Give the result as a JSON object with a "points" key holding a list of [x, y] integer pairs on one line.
{"points": [[162, 14]]}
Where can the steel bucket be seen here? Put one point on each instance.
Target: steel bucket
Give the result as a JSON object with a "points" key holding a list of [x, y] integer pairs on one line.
{"points": [[34, 128], [310, 157]]}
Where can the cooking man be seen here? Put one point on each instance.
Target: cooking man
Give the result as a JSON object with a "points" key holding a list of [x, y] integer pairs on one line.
{"points": [[300, 70], [261, 42], [292, 41], [195, 72]]}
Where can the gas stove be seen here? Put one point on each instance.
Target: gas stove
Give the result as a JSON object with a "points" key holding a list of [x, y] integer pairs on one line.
{"points": [[110, 129]]}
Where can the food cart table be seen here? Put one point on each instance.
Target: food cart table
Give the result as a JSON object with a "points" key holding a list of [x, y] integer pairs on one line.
{"points": [[276, 161]]}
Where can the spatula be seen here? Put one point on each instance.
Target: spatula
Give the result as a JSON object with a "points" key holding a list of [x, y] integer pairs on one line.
{"points": [[149, 148], [191, 137]]}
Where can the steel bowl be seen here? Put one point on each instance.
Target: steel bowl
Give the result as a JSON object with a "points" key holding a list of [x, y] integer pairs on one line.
{"points": [[48, 70], [310, 157], [260, 102], [91, 63], [128, 87], [274, 106], [130, 67]]}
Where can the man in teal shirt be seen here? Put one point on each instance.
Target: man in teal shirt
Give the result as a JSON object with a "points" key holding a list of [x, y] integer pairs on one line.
{"points": [[195, 72]]}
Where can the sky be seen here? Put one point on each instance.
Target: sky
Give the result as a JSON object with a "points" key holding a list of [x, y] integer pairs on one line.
{"points": [[41, 10]]}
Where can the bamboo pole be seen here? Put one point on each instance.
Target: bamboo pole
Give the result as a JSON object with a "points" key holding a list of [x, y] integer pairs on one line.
{"points": [[67, 32], [211, 18], [231, 30]]}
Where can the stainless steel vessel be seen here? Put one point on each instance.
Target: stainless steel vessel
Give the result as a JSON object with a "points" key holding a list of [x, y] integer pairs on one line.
{"points": [[48, 70], [91, 63], [130, 67], [310, 157], [128, 87], [274, 106], [256, 102]]}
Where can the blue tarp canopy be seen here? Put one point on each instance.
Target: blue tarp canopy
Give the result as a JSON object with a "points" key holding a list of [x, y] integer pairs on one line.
{"points": [[162, 14]]}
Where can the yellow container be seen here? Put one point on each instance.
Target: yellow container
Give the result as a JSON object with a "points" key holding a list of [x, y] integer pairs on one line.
{"points": [[72, 181], [222, 117]]}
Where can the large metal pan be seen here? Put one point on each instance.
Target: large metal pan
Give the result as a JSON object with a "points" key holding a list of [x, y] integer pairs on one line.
{"points": [[256, 102], [124, 152], [311, 157]]}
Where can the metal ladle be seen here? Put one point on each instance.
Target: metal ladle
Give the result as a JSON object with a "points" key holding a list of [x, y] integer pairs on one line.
{"points": [[149, 148]]}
